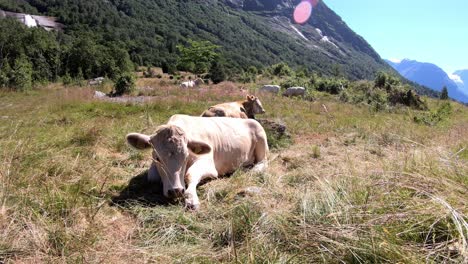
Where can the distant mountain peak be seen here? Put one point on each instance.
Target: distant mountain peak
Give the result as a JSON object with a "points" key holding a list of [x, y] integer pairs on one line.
{"points": [[432, 76]]}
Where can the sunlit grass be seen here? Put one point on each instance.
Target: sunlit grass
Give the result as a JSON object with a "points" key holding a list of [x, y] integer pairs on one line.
{"points": [[355, 185]]}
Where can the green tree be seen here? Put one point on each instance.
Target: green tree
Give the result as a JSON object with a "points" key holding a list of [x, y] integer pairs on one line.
{"points": [[21, 78], [125, 84], [444, 94], [217, 72], [199, 53]]}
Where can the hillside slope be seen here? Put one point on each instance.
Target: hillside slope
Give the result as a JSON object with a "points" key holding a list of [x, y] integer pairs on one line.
{"points": [[429, 75], [251, 32]]}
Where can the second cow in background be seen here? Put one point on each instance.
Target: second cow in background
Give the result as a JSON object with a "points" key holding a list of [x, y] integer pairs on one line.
{"points": [[240, 109]]}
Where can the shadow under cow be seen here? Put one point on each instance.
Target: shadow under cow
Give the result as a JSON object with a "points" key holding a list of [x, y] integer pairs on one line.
{"points": [[142, 192]]}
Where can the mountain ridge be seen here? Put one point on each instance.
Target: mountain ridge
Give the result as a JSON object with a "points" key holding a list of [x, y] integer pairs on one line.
{"points": [[429, 75]]}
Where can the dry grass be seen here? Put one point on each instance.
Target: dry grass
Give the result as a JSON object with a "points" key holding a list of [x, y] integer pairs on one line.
{"points": [[356, 186]]}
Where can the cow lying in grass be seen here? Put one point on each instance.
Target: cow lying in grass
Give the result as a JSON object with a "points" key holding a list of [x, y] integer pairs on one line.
{"points": [[192, 84], [240, 109], [190, 149]]}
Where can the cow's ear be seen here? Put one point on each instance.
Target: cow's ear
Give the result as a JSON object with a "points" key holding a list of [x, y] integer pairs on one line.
{"points": [[138, 141], [199, 147]]}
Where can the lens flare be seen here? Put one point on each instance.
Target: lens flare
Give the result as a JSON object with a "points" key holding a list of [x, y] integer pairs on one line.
{"points": [[303, 11]]}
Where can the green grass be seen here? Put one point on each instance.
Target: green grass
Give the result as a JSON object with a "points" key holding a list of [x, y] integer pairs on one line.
{"points": [[351, 185]]}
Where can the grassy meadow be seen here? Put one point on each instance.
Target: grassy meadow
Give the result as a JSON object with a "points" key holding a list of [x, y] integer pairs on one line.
{"points": [[355, 186]]}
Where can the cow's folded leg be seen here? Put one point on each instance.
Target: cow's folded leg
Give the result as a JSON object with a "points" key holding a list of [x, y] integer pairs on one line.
{"points": [[199, 171]]}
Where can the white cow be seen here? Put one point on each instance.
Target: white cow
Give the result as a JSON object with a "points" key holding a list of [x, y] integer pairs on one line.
{"points": [[294, 91], [192, 84], [190, 149], [274, 89]]}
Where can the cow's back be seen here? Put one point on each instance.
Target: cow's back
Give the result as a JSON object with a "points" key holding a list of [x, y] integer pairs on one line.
{"points": [[232, 109], [233, 140]]}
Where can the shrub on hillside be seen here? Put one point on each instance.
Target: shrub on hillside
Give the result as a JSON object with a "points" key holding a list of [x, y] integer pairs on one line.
{"points": [[302, 72], [67, 79], [252, 70], [387, 81], [406, 96], [432, 118], [245, 77], [333, 86], [378, 99], [149, 73], [125, 84], [382, 94], [281, 69]]}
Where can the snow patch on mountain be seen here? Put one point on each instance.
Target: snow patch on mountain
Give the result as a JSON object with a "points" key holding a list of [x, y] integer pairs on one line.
{"points": [[327, 40], [299, 33], [395, 60], [456, 78]]}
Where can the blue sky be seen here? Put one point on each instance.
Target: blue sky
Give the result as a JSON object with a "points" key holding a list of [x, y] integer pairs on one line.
{"points": [[427, 31]]}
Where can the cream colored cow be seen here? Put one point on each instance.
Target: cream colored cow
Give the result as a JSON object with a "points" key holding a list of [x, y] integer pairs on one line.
{"points": [[274, 89], [192, 84], [294, 91], [240, 109], [190, 149]]}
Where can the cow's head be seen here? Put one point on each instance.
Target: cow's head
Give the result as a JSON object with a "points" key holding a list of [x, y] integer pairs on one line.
{"points": [[171, 153], [255, 104]]}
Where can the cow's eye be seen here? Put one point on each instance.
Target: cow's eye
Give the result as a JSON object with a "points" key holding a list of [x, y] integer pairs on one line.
{"points": [[157, 159]]}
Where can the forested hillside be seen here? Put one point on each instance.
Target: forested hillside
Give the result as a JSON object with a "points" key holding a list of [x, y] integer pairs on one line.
{"points": [[249, 33], [149, 30]]}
